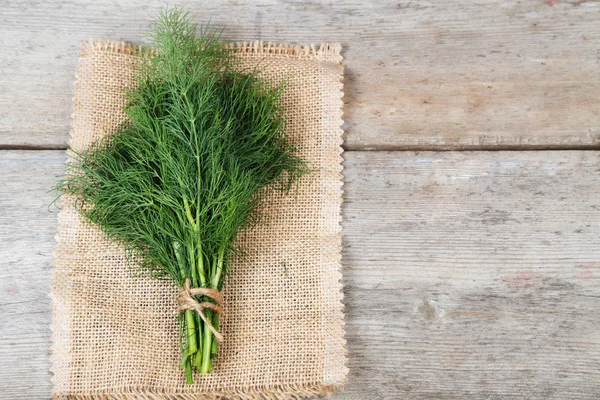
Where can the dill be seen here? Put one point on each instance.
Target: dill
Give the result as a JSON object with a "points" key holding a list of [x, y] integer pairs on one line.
{"points": [[175, 185]]}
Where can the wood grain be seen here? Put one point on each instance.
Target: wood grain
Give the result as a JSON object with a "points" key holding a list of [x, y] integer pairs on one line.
{"points": [[467, 275], [27, 230], [473, 275], [419, 74]]}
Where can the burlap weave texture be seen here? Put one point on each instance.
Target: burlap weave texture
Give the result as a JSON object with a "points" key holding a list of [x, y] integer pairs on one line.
{"points": [[115, 335]]}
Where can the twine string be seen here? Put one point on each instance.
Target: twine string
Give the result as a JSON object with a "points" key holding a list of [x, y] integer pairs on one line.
{"points": [[186, 301]]}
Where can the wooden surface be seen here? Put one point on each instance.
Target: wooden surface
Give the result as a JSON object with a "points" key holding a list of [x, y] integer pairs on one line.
{"points": [[420, 74], [468, 275]]}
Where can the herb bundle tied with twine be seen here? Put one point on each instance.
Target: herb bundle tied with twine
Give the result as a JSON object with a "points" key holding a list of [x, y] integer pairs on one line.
{"points": [[203, 145]]}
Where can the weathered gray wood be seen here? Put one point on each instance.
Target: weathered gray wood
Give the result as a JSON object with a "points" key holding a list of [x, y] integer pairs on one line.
{"points": [[420, 74], [467, 275], [473, 275], [27, 230]]}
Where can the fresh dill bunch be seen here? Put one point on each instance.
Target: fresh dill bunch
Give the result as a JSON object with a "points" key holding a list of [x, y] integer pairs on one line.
{"points": [[174, 185]]}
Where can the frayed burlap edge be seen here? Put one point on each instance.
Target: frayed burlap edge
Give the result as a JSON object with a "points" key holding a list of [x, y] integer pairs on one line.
{"points": [[333, 378], [279, 392], [325, 52]]}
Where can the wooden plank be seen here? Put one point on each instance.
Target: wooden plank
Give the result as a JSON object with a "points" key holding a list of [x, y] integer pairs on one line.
{"points": [[420, 74], [467, 275], [27, 230], [473, 275]]}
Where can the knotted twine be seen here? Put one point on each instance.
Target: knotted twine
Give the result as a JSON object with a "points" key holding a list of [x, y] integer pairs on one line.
{"points": [[186, 301]]}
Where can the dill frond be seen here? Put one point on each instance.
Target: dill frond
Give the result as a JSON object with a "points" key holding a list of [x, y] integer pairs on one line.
{"points": [[203, 145]]}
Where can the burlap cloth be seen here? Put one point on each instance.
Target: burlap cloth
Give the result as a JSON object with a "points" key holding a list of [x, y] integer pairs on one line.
{"points": [[115, 336]]}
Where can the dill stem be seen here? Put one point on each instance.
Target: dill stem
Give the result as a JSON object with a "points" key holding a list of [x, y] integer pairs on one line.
{"points": [[215, 343], [193, 263], [179, 256], [200, 257], [217, 275], [197, 361], [188, 212], [190, 322], [188, 371], [207, 346]]}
